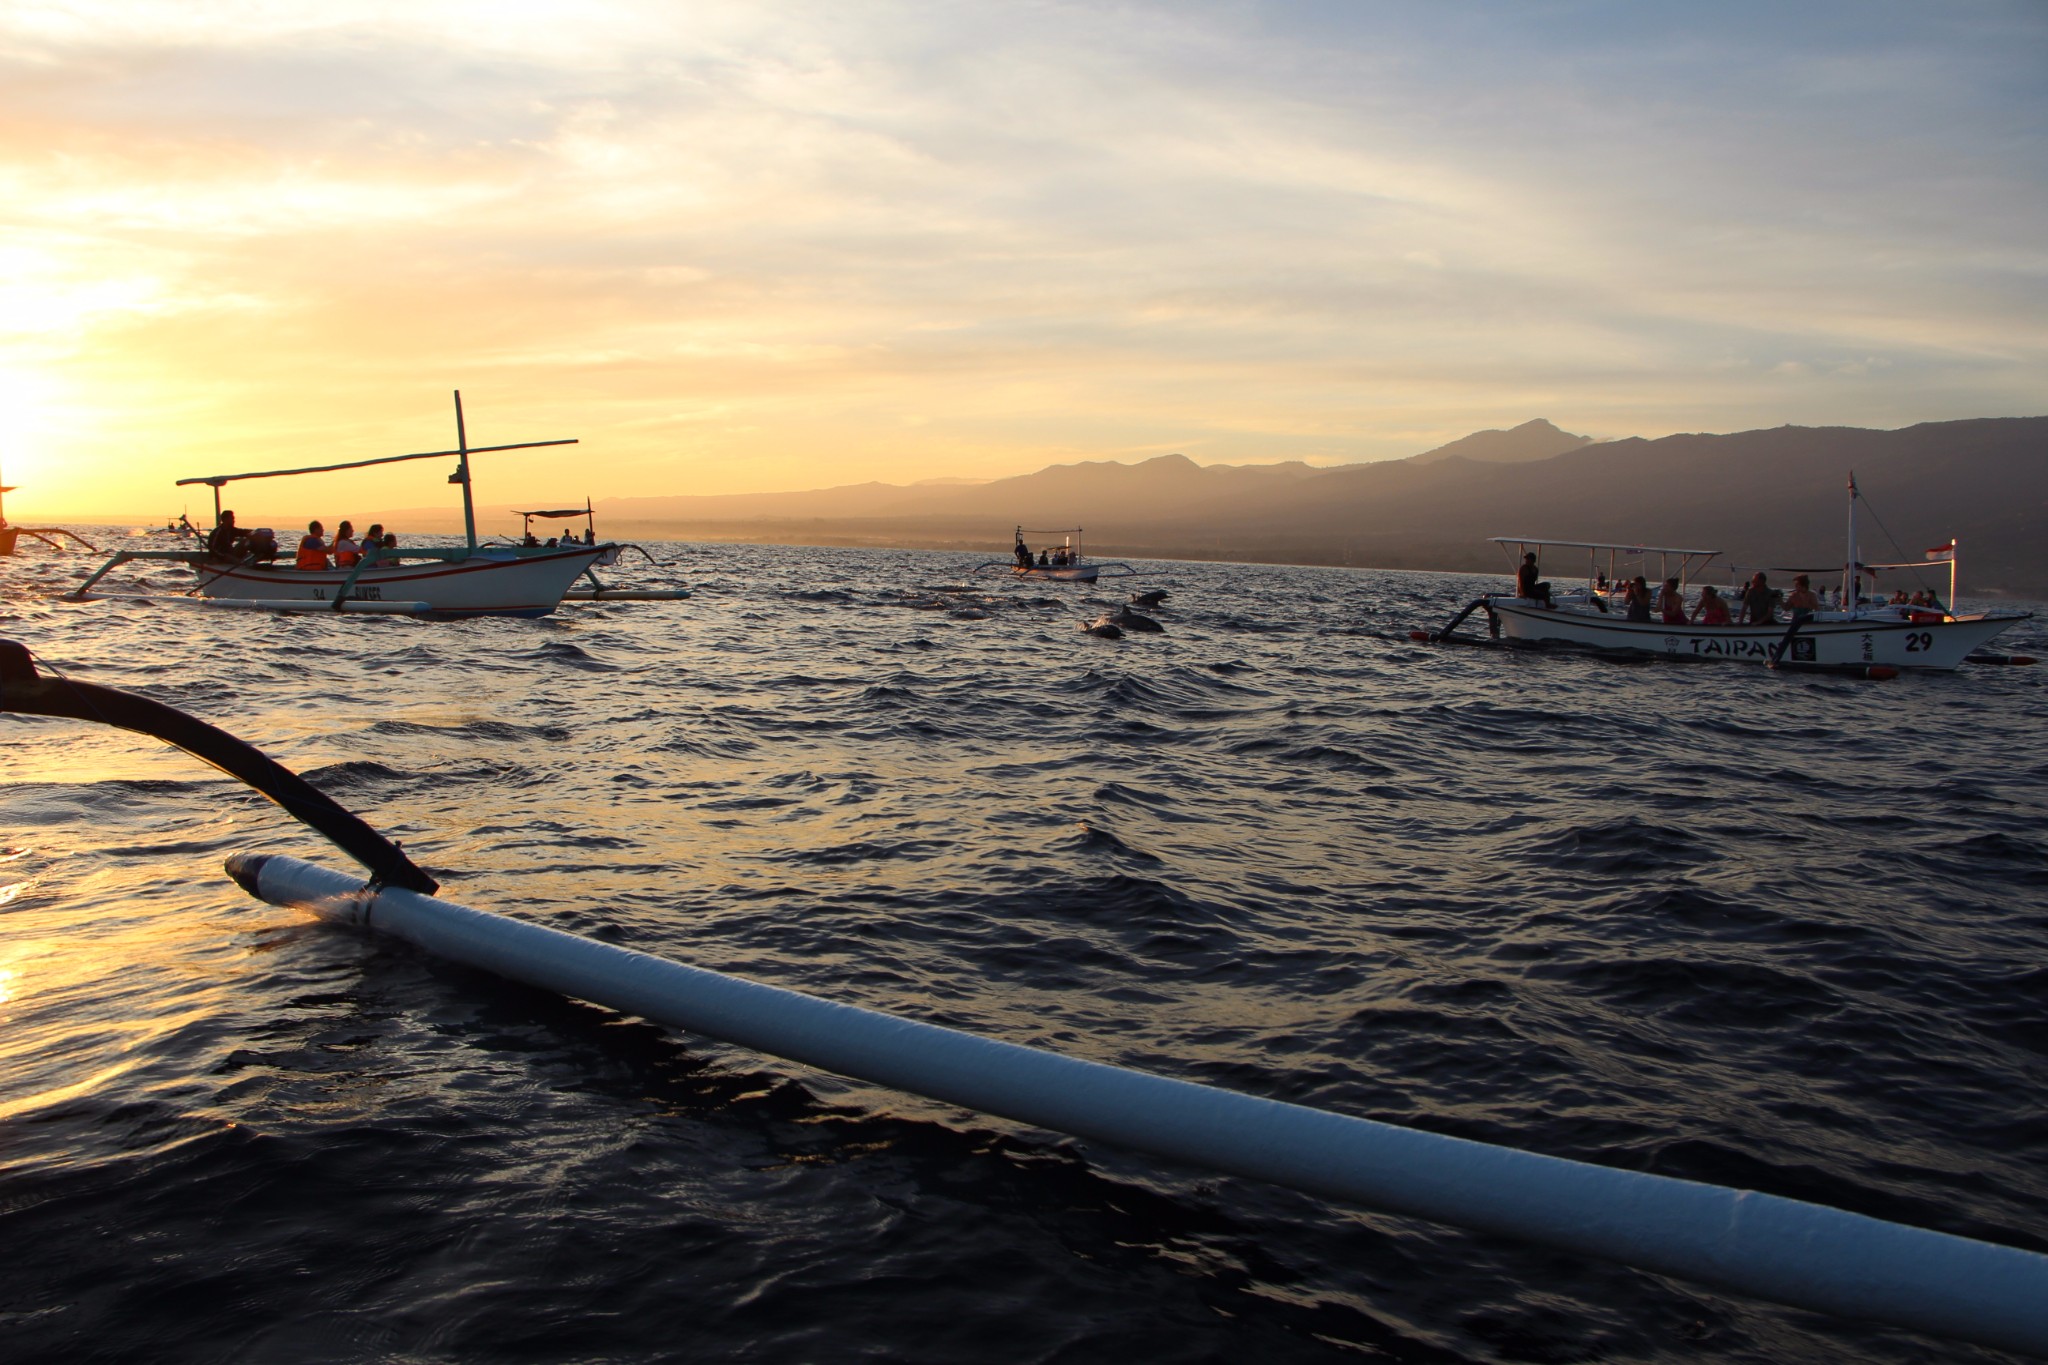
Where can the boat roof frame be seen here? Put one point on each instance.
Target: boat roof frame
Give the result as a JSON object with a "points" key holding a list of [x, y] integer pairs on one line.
{"points": [[218, 480], [560, 514], [1600, 545]]}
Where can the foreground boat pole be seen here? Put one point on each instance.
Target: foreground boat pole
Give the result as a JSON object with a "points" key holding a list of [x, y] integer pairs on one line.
{"points": [[1784, 1250]]}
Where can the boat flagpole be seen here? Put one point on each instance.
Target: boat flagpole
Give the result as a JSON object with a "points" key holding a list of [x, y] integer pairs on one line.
{"points": [[461, 474]]}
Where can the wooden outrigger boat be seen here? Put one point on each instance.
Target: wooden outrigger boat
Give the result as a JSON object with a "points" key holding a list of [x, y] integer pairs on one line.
{"points": [[1063, 563], [10, 536], [1851, 632], [453, 581]]}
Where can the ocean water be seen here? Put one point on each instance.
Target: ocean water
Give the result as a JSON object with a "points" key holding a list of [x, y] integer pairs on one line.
{"points": [[1784, 933]]}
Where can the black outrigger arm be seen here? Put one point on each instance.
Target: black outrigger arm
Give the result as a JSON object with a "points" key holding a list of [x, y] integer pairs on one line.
{"points": [[26, 692]]}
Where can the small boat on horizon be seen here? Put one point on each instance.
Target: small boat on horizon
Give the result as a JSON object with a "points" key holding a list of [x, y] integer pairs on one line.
{"points": [[1062, 563], [10, 535], [1849, 629]]}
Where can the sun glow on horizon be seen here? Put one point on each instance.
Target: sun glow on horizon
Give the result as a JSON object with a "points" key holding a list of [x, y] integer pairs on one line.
{"points": [[740, 250]]}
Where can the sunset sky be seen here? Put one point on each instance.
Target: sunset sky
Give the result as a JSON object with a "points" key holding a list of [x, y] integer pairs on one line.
{"points": [[761, 246]]}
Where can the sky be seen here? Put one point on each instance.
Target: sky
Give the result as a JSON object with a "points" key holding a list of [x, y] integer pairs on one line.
{"points": [[743, 247]]}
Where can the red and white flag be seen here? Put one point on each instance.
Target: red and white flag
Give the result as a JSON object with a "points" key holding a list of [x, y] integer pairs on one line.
{"points": [[1947, 551]]}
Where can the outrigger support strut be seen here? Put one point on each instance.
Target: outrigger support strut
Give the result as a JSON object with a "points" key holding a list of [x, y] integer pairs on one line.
{"points": [[1492, 621], [26, 692]]}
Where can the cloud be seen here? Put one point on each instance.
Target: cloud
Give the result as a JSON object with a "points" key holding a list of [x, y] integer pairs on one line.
{"points": [[964, 243]]}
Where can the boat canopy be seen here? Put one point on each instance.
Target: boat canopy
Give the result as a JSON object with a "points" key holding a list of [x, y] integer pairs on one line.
{"points": [[1599, 545], [555, 515], [1690, 562]]}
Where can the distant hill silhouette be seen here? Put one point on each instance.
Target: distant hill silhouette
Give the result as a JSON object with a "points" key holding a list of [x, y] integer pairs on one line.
{"points": [[1537, 440], [1771, 498]]}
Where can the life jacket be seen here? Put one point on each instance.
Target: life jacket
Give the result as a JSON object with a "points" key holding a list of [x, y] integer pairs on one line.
{"points": [[345, 553], [312, 554]]}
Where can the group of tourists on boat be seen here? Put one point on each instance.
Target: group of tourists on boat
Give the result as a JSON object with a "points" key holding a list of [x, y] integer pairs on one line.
{"points": [[1755, 603], [566, 540], [232, 543], [1056, 558]]}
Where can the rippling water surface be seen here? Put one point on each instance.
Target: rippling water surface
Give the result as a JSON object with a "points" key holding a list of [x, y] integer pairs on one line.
{"points": [[1785, 933]]}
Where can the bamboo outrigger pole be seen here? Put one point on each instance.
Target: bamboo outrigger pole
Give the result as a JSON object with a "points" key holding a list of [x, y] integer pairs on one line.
{"points": [[463, 450]]}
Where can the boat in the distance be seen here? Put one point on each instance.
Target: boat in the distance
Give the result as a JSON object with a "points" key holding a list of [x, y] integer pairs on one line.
{"points": [[530, 540], [1851, 630], [1061, 563], [530, 543], [416, 580], [182, 528], [10, 535]]}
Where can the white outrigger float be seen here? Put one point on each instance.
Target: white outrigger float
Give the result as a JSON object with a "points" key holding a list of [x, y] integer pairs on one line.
{"points": [[416, 580], [1063, 563], [1853, 634]]}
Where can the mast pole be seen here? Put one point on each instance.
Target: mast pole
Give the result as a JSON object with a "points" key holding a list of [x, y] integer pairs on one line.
{"points": [[1852, 572], [461, 474]]}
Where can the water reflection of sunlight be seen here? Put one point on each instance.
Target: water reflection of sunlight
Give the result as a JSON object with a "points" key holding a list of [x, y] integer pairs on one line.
{"points": [[7, 987], [92, 756]]}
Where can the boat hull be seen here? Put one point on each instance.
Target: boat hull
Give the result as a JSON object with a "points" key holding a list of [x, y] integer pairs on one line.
{"points": [[1857, 643], [1082, 573], [484, 585]]}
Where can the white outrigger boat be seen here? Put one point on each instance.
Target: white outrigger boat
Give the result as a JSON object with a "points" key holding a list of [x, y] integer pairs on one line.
{"points": [[1063, 563], [439, 581], [1850, 633]]}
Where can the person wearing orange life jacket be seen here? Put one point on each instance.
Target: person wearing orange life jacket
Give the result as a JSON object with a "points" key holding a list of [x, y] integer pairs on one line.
{"points": [[345, 551], [313, 549]]}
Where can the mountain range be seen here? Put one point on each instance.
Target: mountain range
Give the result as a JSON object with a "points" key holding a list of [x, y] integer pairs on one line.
{"points": [[1774, 497]]}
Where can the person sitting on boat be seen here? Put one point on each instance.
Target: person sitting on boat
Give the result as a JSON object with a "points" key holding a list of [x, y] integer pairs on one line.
{"points": [[590, 535], [373, 538], [1802, 601], [1760, 602], [313, 548], [1671, 602], [1638, 599], [1023, 553], [1712, 610], [346, 551], [1045, 559], [1526, 584], [226, 539]]}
